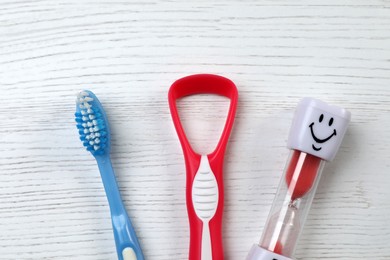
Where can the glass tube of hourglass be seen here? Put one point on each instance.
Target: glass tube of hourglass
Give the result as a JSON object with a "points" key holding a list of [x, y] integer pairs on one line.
{"points": [[292, 203]]}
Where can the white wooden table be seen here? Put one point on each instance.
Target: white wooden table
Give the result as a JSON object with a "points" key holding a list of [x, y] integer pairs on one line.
{"points": [[52, 202]]}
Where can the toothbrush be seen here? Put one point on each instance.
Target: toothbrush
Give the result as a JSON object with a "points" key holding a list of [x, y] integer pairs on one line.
{"points": [[94, 132], [315, 137]]}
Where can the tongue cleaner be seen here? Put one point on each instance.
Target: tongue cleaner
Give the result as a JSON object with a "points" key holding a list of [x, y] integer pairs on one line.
{"points": [[204, 185], [315, 137]]}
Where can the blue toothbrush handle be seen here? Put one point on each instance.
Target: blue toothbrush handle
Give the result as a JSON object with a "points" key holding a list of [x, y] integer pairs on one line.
{"points": [[126, 241]]}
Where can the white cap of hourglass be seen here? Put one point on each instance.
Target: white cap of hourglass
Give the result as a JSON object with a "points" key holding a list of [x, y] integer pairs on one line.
{"points": [[318, 128]]}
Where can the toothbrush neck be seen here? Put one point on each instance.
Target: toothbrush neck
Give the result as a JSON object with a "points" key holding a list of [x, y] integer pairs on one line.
{"points": [[110, 185]]}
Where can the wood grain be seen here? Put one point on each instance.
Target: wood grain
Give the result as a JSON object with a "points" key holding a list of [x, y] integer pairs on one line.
{"points": [[52, 201]]}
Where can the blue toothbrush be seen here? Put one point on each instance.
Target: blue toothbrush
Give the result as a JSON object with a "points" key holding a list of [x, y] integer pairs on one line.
{"points": [[94, 132]]}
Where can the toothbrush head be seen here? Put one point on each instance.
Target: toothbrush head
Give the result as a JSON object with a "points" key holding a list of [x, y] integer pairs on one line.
{"points": [[92, 123]]}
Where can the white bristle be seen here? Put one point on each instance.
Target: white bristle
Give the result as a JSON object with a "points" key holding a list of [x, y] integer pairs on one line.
{"points": [[86, 131], [92, 117], [94, 122], [91, 142], [96, 147], [96, 129], [84, 118], [83, 94], [88, 99], [97, 140]]}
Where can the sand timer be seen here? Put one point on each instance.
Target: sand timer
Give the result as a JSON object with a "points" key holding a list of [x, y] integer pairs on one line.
{"points": [[315, 136]]}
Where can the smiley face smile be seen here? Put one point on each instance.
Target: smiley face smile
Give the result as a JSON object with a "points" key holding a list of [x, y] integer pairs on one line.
{"points": [[318, 140]]}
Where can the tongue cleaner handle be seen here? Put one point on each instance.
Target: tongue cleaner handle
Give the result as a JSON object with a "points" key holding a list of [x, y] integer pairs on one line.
{"points": [[204, 182]]}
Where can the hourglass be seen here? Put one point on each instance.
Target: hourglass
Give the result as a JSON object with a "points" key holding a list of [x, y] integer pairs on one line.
{"points": [[315, 136]]}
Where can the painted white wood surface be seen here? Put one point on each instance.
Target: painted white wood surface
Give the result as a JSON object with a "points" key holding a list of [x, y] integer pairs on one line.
{"points": [[52, 203]]}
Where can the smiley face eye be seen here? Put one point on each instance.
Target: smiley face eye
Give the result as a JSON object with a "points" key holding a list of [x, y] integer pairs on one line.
{"points": [[331, 121], [321, 118]]}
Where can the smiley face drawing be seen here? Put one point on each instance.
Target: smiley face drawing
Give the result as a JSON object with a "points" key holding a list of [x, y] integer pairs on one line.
{"points": [[319, 140], [318, 128]]}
